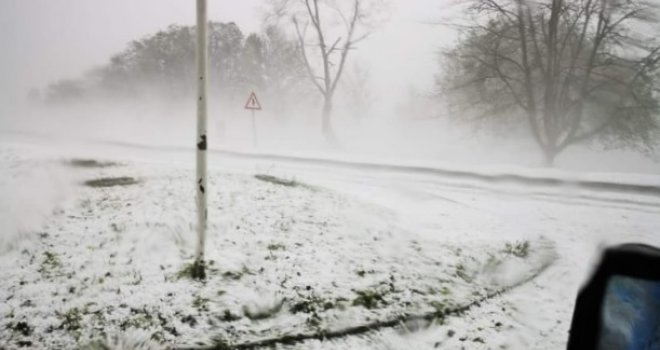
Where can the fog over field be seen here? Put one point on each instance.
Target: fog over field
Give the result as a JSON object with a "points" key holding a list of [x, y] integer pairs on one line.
{"points": [[387, 104], [420, 173]]}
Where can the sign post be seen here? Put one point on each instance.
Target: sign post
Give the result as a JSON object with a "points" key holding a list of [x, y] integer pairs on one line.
{"points": [[253, 105], [198, 270]]}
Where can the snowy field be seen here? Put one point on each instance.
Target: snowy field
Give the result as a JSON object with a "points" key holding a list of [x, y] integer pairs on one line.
{"points": [[96, 239]]}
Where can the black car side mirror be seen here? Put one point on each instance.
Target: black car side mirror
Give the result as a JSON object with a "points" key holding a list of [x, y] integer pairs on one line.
{"points": [[619, 308]]}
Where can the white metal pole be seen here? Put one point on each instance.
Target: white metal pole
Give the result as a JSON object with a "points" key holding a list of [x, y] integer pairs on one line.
{"points": [[202, 190]]}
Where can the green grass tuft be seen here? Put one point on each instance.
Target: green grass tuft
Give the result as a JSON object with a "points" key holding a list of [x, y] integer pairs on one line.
{"points": [[220, 343], [276, 246], [71, 319], [21, 327], [462, 273], [90, 163], [519, 249], [277, 180], [228, 316], [312, 304], [369, 299], [50, 263], [201, 304], [111, 181]]}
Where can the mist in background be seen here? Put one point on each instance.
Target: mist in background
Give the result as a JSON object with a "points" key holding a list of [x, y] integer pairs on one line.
{"points": [[122, 71]]}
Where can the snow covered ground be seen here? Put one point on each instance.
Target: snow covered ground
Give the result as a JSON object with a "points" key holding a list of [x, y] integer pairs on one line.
{"points": [[334, 247]]}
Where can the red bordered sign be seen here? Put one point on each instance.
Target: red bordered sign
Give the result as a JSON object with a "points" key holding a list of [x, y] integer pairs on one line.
{"points": [[252, 102]]}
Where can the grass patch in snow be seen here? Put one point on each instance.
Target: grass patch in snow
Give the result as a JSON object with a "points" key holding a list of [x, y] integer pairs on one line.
{"points": [[138, 319], [312, 304], [90, 163], [21, 327], [49, 264], [237, 275], [363, 272], [369, 299], [315, 217], [220, 343], [233, 275], [441, 309], [71, 319], [284, 182], [117, 228], [519, 249], [112, 181], [277, 181], [462, 273], [201, 304], [276, 246], [228, 316]]}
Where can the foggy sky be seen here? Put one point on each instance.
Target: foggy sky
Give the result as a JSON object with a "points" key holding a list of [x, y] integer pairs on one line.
{"points": [[46, 40]]}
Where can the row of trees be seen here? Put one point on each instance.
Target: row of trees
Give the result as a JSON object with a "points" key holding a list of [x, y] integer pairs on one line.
{"points": [[163, 65], [276, 63], [300, 56], [568, 70]]}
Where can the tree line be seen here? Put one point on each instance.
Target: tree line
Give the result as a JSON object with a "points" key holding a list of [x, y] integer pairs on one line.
{"points": [[565, 71], [163, 65]]}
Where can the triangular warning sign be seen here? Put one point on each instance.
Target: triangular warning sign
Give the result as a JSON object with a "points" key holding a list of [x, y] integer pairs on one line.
{"points": [[252, 102]]}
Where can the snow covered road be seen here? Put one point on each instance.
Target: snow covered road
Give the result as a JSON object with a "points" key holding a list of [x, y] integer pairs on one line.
{"points": [[346, 245]]}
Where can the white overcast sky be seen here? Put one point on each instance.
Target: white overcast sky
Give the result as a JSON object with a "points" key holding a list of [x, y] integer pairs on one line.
{"points": [[46, 40]]}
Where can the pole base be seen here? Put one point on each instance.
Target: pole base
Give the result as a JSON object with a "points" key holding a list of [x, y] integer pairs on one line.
{"points": [[198, 270]]}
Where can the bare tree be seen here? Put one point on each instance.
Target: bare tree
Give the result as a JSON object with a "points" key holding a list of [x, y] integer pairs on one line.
{"points": [[324, 52], [574, 69]]}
